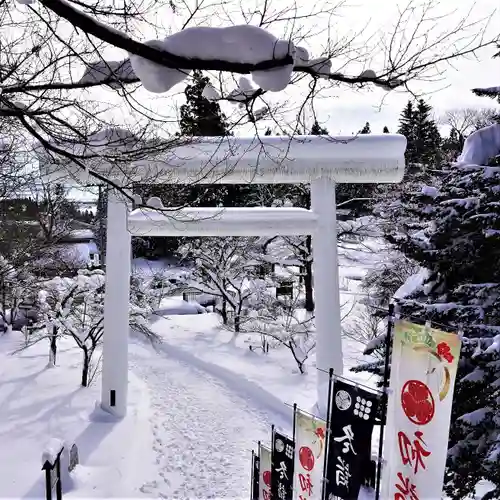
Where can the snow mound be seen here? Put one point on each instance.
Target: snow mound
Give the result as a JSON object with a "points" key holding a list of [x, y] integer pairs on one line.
{"points": [[254, 45], [430, 191], [52, 449], [155, 77], [116, 72], [412, 284], [480, 146]]}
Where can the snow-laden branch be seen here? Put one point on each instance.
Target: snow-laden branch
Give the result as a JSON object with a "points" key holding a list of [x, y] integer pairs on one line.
{"points": [[161, 64]]}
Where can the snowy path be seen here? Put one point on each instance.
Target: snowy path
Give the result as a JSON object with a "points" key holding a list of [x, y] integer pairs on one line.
{"points": [[203, 431]]}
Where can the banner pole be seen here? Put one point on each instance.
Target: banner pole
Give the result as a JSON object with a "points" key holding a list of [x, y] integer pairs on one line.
{"points": [[383, 416], [294, 415], [272, 443], [327, 444], [252, 476]]}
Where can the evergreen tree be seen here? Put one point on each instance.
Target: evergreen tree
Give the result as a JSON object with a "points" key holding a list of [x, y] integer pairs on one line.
{"points": [[366, 129], [386, 130], [422, 134], [199, 116], [427, 138], [454, 233], [407, 128], [317, 129]]}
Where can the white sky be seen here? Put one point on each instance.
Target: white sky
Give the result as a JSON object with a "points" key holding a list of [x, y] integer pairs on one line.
{"points": [[342, 109], [351, 109]]}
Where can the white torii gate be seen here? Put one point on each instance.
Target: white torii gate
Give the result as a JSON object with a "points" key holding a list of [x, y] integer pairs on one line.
{"points": [[321, 161]]}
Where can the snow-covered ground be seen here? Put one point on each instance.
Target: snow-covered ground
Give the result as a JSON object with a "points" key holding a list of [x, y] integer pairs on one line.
{"points": [[38, 404], [198, 404]]}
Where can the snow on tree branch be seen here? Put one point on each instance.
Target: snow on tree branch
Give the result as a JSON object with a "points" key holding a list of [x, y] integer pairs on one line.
{"points": [[161, 64]]}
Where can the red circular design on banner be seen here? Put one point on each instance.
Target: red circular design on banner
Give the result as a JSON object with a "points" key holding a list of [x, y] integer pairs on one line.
{"points": [[306, 457], [417, 402], [267, 478]]}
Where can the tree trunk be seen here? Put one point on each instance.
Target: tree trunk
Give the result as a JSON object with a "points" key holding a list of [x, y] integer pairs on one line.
{"points": [[86, 366], [237, 323], [308, 278], [53, 347], [224, 310], [300, 363]]}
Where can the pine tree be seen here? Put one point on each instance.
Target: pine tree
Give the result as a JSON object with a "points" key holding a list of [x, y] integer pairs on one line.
{"points": [[454, 233], [317, 129], [427, 138], [386, 130], [199, 116], [407, 128], [366, 129], [422, 134]]}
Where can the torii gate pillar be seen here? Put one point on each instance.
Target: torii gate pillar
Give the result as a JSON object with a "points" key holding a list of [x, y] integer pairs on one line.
{"points": [[116, 307], [326, 285]]}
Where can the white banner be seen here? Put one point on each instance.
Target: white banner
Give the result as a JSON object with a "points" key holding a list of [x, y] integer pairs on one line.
{"points": [[309, 456], [423, 370], [265, 473]]}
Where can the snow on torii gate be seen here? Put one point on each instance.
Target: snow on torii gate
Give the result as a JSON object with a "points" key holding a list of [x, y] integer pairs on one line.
{"points": [[318, 160]]}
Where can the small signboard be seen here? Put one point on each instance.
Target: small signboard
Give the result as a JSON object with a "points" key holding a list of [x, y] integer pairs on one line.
{"points": [[73, 458]]}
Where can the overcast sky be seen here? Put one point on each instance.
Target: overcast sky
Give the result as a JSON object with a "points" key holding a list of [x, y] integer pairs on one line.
{"points": [[349, 112], [351, 109], [342, 109]]}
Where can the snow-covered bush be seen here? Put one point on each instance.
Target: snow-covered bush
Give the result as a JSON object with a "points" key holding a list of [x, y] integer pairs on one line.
{"points": [[74, 307], [281, 322], [16, 286], [224, 268]]}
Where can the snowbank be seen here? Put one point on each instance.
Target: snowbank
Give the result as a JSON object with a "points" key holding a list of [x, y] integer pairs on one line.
{"points": [[43, 409], [481, 146]]}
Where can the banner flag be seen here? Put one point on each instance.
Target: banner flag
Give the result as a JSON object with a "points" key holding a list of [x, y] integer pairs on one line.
{"points": [[264, 473], [352, 418], [282, 471], [309, 456], [423, 370], [255, 476]]}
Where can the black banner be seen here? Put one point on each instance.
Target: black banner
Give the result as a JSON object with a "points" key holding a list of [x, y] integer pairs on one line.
{"points": [[352, 417], [255, 476], [282, 467]]}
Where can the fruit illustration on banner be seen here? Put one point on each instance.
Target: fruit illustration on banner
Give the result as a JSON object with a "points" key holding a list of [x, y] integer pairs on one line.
{"points": [[319, 432], [417, 402], [267, 478], [306, 457], [442, 354]]}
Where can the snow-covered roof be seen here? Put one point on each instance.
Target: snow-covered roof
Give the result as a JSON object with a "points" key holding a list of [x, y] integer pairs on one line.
{"points": [[235, 160], [81, 234]]}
